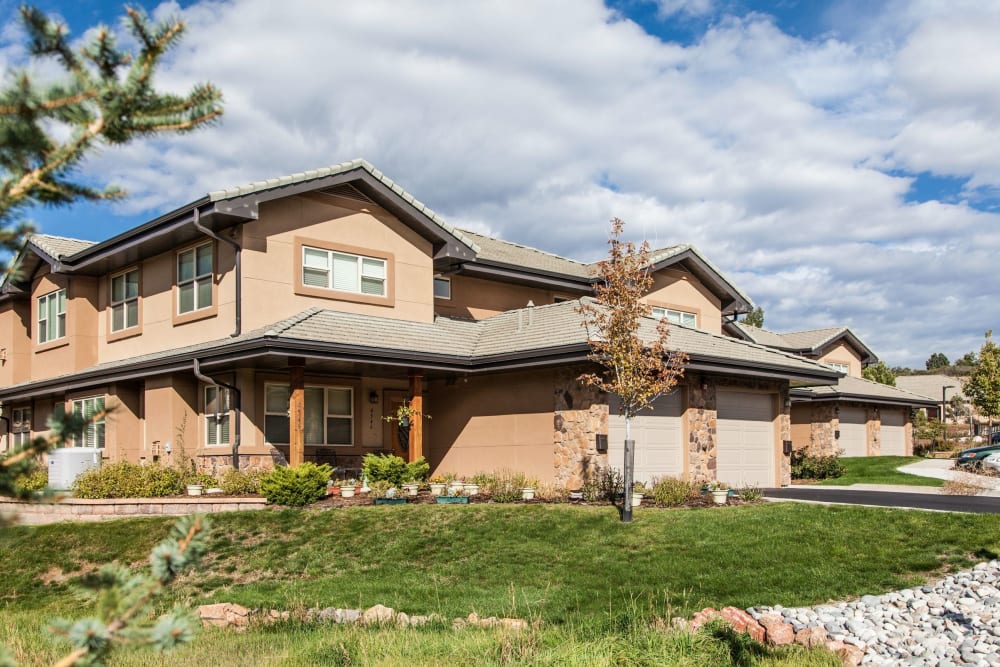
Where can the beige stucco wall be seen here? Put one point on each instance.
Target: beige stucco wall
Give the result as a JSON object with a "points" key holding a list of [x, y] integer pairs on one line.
{"points": [[492, 423], [680, 290], [78, 349], [15, 342], [842, 353], [801, 427], [478, 298], [123, 425]]}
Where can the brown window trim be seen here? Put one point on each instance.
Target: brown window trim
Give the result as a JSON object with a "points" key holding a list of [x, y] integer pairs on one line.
{"points": [[336, 295], [128, 332], [673, 306], [201, 313], [57, 343]]}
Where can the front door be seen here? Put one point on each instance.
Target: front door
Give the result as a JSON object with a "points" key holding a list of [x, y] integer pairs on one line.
{"points": [[394, 437]]}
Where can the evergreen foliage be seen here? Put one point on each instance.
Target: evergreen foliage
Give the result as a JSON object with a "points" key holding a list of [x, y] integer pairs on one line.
{"points": [[755, 318], [294, 487], [936, 361], [880, 373]]}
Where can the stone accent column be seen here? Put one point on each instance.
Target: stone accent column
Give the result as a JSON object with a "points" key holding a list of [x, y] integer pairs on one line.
{"points": [[908, 432], [825, 423], [785, 429], [296, 411], [873, 431], [702, 416], [580, 413]]}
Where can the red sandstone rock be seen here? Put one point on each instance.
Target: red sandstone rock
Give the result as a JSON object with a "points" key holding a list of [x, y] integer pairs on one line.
{"points": [[778, 632], [811, 637], [743, 622], [850, 655]]}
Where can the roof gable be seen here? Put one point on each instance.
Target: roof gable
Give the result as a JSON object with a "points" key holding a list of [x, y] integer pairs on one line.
{"points": [[811, 342]]}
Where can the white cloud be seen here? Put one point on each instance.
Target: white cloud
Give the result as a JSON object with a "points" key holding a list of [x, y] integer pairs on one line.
{"points": [[541, 121]]}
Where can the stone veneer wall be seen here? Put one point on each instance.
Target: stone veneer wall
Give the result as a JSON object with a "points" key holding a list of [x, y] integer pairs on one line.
{"points": [[702, 416], [217, 464], [825, 423], [873, 430], [580, 413]]}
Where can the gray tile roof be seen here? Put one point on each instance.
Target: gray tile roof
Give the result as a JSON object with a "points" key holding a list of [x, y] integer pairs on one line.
{"points": [[762, 336], [930, 385], [853, 387], [58, 246], [814, 339], [504, 252]]}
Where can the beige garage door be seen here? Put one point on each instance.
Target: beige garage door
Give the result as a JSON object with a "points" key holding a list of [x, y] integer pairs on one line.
{"points": [[893, 433], [659, 443], [746, 438], [853, 432]]}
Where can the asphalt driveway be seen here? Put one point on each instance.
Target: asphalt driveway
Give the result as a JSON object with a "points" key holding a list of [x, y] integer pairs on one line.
{"points": [[902, 499]]}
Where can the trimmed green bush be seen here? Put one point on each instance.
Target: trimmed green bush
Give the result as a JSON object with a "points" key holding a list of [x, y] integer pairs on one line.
{"points": [[604, 484], [673, 492], [805, 466], [393, 469], [295, 487], [130, 480], [35, 480], [239, 483]]}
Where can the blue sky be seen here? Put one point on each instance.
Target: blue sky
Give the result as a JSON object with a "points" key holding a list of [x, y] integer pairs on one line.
{"points": [[838, 159]]}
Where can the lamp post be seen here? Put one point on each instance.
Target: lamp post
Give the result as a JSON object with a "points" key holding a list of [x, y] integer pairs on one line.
{"points": [[944, 401]]}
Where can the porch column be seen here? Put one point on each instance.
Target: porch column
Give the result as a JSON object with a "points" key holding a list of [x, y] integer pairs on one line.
{"points": [[297, 411], [416, 447]]}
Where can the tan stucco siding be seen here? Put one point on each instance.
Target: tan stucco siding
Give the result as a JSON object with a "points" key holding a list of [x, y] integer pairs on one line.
{"points": [[15, 366], [478, 298], [801, 415], [679, 290], [78, 349], [492, 423], [842, 353]]}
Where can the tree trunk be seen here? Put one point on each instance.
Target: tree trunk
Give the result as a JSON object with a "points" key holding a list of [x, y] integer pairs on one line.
{"points": [[628, 468]]}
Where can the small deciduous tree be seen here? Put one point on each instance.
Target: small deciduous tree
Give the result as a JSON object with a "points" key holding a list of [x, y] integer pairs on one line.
{"points": [[755, 318], [983, 386], [880, 373], [968, 360], [637, 368], [936, 361]]}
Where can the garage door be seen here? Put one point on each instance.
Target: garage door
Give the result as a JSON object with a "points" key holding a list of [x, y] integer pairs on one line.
{"points": [[746, 438], [659, 443], [853, 432], [893, 433]]}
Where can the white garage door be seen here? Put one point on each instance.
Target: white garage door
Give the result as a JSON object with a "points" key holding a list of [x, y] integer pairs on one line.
{"points": [[853, 432], [659, 443], [893, 433], [746, 438]]}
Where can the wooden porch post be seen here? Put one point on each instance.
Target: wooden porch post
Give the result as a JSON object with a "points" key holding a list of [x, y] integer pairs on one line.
{"points": [[297, 411], [416, 447]]}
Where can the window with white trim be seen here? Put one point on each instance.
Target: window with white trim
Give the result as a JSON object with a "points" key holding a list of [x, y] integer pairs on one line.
{"points": [[216, 416], [843, 368], [329, 415], [194, 279], [675, 316], [442, 287], [125, 300], [52, 316], [20, 427], [93, 432], [344, 272]]}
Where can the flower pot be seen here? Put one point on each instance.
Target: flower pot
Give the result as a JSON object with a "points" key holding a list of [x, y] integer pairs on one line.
{"points": [[472, 489], [390, 501], [720, 496], [452, 500], [528, 493], [437, 489], [411, 489], [195, 489], [347, 491], [636, 499], [456, 488]]}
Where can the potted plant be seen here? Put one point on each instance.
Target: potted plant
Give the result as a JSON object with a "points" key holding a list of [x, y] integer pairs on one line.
{"points": [[471, 489], [347, 488], [457, 485], [638, 490], [403, 418], [195, 489], [438, 485], [719, 491], [411, 487], [528, 493], [452, 497], [386, 494]]}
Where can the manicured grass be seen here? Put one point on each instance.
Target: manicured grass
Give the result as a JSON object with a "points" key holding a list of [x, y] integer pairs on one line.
{"points": [[575, 569], [880, 470]]}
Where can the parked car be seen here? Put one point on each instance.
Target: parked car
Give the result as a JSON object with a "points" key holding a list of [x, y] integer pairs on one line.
{"points": [[995, 438], [975, 456], [992, 461]]}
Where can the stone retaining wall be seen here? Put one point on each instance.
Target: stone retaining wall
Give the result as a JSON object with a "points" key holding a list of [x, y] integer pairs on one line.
{"points": [[79, 509]]}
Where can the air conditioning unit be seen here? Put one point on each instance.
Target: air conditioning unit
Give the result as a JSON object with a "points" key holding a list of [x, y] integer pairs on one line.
{"points": [[68, 463]]}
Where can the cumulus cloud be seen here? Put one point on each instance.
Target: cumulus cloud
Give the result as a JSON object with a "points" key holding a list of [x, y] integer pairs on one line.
{"points": [[787, 160]]}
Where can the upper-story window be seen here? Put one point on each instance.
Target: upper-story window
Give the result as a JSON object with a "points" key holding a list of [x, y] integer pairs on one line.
{"points": [[125, 300], [442, 287], [216, 416], [52, 316], [676, 316], [194, 279], [93, 432], [843, 368], [343, 271]]}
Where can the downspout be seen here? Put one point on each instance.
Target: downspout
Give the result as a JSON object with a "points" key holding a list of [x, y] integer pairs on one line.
{"points": [[237, 408], [238, 249]]}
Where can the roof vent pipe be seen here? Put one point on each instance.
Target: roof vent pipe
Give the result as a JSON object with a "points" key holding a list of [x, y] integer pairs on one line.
{"points": [[237, 408], [238, 249]]}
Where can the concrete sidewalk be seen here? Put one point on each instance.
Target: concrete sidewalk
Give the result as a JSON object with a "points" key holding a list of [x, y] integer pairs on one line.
{"points": [[935, 468]]}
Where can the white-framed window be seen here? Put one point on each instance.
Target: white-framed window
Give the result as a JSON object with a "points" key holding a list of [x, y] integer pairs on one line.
{"points": [[125, 300], [344, 272], [52, 316], [676, 316], [194, 279], [329, 415], [216, 416], [20, 427], [93, 432], [843, 368], [442, 287]]}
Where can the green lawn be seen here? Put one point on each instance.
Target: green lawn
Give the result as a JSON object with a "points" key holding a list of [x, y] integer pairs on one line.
{"points": [[577, 570], [880, 470]]}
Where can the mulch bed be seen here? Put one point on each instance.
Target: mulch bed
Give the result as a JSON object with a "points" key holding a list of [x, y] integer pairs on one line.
{"points": [[425, 498]]}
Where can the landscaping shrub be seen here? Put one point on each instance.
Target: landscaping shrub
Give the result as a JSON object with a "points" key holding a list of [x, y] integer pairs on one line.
{"points": [[805, 466], [393, 469], [130, 480], [503, 486], [750, 493], [238, 483], [673, 492], [35, 480], [295, 487], [604, 484]]}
